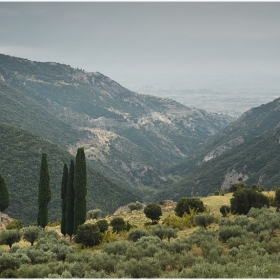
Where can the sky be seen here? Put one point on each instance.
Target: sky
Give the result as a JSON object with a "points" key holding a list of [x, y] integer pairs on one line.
{"points": [[147, 42]]}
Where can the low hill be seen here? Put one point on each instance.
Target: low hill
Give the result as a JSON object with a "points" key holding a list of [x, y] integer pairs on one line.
{"points": [[20, 160]]}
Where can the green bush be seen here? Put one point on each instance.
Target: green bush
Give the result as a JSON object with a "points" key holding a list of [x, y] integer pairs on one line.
{"points": [[236, 187], [137, 233], [186, 204], [118, 224], [116, 248], [153, 212], [225, 210], [164, 231], [31, 234], [93, 214], [135, 206], [186, 221], [244, 199], [15, 224], [226, 232], [145, 268], [103, 225], [9, 237], [204, 220], [88, 235], [9, 261]]}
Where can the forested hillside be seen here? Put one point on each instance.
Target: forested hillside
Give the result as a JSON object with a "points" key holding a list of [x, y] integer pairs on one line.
{"points": [[247, 151], [20, 160]]}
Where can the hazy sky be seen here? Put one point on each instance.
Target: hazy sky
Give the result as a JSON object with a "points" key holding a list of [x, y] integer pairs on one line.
{"points": [[147, 41]]}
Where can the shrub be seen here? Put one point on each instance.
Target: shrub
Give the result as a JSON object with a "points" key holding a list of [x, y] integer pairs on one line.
{"points": [[9, 273], [93, 214], [145, 268], [277, 197], [135, 206], [34, 271], [116, 248], [88, 234], [226, 232], [204, 220], [137, 233], [164, 231], [236, 187], [108, 236], [185, 205], [119, 224], [258, 188], [39, 256], [184, 222], [153, 212], [15, 224], [9, 237], [8, 261], [31, 234], [225, 210], [244, 199], [103, 225], [49, 234]]}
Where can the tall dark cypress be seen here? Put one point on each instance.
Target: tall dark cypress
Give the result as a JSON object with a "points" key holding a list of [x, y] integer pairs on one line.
{"points": [[44, 195], [80, 187], [69, 214], [4, 196], [63, 198]]}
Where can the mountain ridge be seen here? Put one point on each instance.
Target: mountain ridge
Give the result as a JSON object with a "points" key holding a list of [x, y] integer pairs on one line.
{"points": [[112, 122]]}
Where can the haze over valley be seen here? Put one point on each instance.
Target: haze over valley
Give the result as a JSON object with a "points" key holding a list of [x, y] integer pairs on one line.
{"points": [[231, 95]]}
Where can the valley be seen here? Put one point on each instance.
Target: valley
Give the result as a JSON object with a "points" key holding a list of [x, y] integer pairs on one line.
{"points": [[145, 146]]}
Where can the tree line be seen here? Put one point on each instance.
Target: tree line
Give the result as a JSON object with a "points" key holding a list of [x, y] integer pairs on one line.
{"points": [[73, 194]]}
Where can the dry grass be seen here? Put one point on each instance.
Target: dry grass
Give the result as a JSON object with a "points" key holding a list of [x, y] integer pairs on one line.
{"points": [[214, 203]]}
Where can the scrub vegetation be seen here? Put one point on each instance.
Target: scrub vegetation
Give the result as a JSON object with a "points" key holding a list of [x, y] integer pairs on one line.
{"points": [[196, 244]]}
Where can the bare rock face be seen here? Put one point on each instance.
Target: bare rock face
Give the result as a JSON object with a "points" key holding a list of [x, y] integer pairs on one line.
{"points": [[224, 147], [232, 178]]}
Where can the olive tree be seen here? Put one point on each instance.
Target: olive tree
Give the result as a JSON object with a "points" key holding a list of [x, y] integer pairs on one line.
{"points": [[204, 220], [9, 237], [31, 234]]}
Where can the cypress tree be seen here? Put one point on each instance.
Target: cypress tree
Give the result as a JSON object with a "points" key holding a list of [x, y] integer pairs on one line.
{"points": [[63, 197], [44, 195], [4, 197], [70, 196], [80, 187]]}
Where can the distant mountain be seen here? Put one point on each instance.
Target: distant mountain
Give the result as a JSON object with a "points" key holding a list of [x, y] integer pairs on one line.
{"points": [[127, 136], [20, 160], [248, 150]]}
